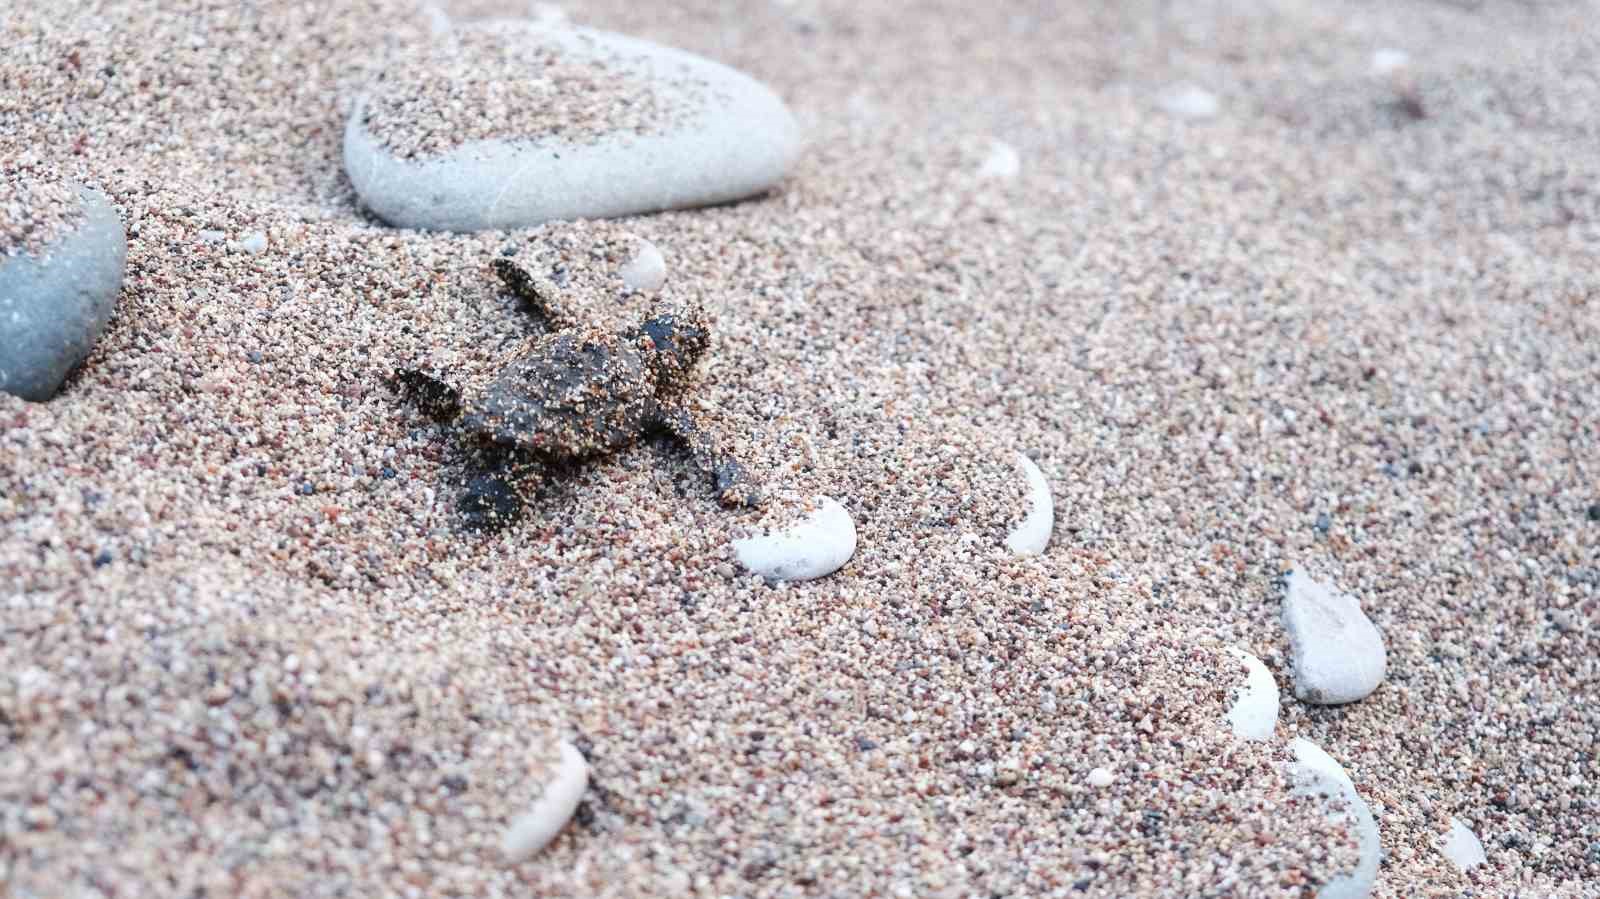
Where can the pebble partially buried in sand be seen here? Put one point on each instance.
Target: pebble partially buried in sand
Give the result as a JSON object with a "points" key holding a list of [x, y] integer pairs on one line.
{"points": [[576, 393], [62, 254]]}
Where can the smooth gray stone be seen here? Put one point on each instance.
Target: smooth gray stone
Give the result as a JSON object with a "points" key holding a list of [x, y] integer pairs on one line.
{"points": [[54, 307], [737, 145]]}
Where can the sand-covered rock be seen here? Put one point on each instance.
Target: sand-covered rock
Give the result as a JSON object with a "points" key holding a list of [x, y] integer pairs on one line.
{"points": [[1254, 713], [1317, 774], [507, 124], [535, 828], [62, 251], [1338, 652]]}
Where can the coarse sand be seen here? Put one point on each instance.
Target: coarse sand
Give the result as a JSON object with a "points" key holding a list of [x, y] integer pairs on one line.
{"points": [[1349, 323], [35, 210], [496, 80]]}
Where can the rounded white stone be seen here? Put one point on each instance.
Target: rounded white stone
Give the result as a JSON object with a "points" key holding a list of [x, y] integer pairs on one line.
{"points": [[1337, 652], [1317, 774], [1001, 163], [53, 307], [1099, 778], [253, 243], [646, 271], [735, 139], [1190, 101], [1462, 847], [818, 545], [1254, 715], [1387, 61], [1031, 535], [535, 828], [547, 13]]}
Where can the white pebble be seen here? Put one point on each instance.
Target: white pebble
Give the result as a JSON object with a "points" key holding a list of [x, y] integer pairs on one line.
{"points": [[1001, 163], [1254, 714], [1388, 61], [816, 546], [1190, 101], [254, 242], [210, 236], [536, 827], [1338, 653], [1030, 536], [547, 13], [1462, 847], [1100, 778], [1317, 774], [646, 271]]}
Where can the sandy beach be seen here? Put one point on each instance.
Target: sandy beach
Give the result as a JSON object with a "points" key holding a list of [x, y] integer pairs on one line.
{"points": [[1272, 286]]}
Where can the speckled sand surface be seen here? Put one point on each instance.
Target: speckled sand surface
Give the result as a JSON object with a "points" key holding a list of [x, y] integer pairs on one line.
{"points": [[494, 80], [34, 211], [243, 647]]}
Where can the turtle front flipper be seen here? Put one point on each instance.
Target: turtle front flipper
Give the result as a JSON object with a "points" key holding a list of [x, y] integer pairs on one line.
{"points": [[495, 498], [735, 488], [523, 287]]}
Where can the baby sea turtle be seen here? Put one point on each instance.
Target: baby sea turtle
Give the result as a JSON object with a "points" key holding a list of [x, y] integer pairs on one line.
{"points": [[576, 393]]}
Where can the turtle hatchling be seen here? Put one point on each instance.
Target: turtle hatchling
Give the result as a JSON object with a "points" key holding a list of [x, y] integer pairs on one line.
{"points": [[575, 393]]}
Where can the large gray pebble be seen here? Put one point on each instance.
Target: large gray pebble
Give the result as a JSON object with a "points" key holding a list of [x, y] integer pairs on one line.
{"points": [[737, 141], [55, 305]]}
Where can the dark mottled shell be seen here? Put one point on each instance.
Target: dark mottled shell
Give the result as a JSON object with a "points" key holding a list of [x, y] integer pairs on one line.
{"points": [[572, 394]]}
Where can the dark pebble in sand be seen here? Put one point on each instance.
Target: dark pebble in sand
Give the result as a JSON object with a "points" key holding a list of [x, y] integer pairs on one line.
{"points": [[1594, 512], [1323, 523], [102, 559], [387, 473]]}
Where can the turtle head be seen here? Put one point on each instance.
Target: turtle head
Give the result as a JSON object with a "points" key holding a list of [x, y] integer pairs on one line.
{"points": [[677, 340]]}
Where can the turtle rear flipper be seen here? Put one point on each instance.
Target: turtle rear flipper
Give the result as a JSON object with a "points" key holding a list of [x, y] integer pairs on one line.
{"points": [[490, 504], [734, 485]]}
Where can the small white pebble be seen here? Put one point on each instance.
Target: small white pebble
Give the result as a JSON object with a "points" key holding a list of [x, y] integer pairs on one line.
{"points": [[1388, 60], [209, 236], [1462, 847], [535, 828], [1190, 101], [1254, 714], [1001, 163], [1338, 653], [1031, 535], [1008, 773], [646, 271], [1100, 778], [547, 13], [254, 242]]}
